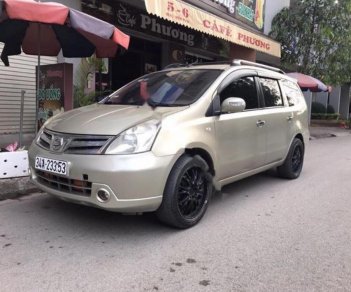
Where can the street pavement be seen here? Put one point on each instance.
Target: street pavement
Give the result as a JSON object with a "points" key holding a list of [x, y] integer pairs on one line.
{"points": [[259, 234]]}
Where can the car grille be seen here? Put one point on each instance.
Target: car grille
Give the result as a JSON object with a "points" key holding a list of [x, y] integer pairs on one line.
{"points": [[73, 144], [63, 184]]}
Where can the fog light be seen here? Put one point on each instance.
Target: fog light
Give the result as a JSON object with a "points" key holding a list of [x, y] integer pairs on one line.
{"points": [[103, 196]]}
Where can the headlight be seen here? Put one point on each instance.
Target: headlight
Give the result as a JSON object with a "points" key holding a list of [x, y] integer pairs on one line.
{"points": [[136, 139]]}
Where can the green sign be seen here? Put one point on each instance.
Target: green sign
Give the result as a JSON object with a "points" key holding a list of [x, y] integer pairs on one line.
{"points": [[250, 12], [246, 12]]}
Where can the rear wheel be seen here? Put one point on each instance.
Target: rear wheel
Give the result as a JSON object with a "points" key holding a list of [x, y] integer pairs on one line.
{"points": [[187, 193], [293, 163]]}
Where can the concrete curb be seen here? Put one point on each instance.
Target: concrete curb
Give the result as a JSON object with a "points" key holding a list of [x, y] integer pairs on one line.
{"points": [[328, 132], [13, 188]]}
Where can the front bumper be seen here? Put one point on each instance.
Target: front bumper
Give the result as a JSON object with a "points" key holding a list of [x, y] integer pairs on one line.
{"points": [[135, 182]]}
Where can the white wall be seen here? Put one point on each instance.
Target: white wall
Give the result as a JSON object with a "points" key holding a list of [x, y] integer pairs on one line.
{"points": [[272, 8], [322, 97], [334, 98], [345, 102], [308, 97]]}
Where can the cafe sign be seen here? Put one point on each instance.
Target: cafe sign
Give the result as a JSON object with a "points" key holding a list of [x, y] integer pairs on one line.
{"points": [[195, 18], [250, 12], [132, 18]]}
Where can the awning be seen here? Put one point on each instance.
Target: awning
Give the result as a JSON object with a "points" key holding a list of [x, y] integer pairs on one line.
{"points": [[185, 14]]}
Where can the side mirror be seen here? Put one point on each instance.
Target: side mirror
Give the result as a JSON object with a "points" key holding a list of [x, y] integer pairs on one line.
{"points": [[233, 105]]}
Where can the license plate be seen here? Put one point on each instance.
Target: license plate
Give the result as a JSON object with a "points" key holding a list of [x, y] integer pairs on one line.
{"points": [[51, 165]]}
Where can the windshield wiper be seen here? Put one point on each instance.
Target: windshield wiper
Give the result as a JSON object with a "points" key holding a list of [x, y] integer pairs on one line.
{"points": [[153, 104], [123, 103], [156, 104]]}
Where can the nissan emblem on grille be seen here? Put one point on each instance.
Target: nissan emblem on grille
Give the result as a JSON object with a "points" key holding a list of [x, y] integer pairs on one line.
{"points": [[57, 143]]}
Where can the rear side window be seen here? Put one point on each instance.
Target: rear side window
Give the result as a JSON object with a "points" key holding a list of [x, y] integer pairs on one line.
{"points": [[244, 88], [292, 92], [271, 92]]}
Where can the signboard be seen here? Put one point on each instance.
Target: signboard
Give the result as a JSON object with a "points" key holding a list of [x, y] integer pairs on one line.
{"points": [[198, 19], [55, 90], [132, 18], [250, 12]]}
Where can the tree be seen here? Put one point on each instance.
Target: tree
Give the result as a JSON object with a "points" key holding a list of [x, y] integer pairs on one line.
{"points": [[316, 38]]}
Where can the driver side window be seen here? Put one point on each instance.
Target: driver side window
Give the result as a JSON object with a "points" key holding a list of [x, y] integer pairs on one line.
{"points": [[244, 88]]}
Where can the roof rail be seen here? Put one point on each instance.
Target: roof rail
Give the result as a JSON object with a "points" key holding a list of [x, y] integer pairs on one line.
{"points": [[174, 65], [238, 62]]}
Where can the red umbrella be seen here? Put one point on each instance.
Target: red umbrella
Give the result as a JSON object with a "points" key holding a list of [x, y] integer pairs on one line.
{"points": [[44, 28], [307, 82]]}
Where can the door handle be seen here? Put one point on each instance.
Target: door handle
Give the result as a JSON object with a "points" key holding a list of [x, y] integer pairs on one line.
{"points": [[289, 118], [260, 123]]}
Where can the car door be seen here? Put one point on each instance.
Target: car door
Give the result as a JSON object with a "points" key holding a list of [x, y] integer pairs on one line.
{"points": [[278, 119], [241, 140]]}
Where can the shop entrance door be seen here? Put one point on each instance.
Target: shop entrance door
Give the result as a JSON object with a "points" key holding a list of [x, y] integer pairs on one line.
{"points": [[191, 58], [142, 57]]}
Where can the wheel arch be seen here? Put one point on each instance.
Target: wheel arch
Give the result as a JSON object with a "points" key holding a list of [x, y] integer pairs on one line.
{"points": [[204, 155], [296, 136], [299, 136]]}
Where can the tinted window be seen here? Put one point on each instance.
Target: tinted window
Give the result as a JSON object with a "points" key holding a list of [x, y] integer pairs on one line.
{"points": [[271, 92], [167, 88], [292, 92], [244, 88]]}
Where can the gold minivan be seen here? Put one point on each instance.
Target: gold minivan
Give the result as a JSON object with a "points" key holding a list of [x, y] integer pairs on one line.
{"points": [[167, 140]]}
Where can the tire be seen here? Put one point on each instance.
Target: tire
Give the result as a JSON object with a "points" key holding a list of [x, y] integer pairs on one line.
{"points": [[187, 193], [293, 163]]}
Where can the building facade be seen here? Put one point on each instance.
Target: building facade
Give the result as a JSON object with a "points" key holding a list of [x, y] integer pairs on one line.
{"points": [[182, 31], [185, 31]]}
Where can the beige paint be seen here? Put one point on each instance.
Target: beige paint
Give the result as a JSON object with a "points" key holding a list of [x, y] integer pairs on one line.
{"points": [[237, 145]]}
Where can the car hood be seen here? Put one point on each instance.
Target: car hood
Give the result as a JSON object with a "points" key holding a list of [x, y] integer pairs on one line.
{"points": [[102, 119]]}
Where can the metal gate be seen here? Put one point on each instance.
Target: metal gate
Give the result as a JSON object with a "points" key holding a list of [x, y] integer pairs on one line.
{"points": [[20, 75]]}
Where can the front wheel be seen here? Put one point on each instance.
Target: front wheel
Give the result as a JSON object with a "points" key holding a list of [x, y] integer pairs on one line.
{"points": [[187, 193], [293, 163]]}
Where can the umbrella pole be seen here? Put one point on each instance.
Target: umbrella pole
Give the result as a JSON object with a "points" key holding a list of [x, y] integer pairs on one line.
{"points": [[38, 84], [21, 118]]}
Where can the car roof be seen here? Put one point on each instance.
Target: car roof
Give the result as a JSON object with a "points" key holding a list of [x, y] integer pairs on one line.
{"points": [[236, 64]]}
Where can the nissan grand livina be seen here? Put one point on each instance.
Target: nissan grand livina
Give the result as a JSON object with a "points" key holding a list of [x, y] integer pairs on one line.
{"points": [[167, 140]]}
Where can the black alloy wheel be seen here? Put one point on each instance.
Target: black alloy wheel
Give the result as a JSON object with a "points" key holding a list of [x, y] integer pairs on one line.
{"points": [[293, 163], [192, 192], [296, 158], [187, 193]]}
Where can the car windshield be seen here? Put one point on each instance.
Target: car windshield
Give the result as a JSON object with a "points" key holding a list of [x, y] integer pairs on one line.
{"points": [[167, 88]]}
